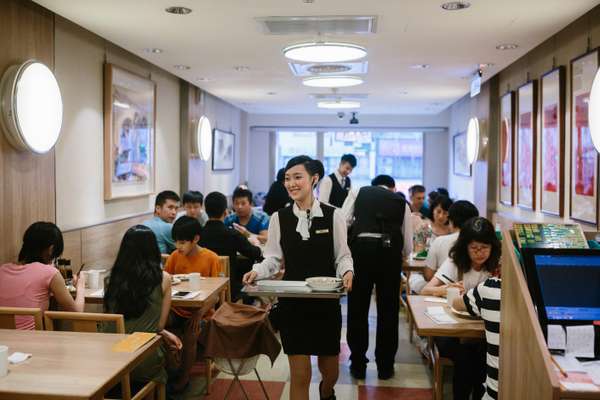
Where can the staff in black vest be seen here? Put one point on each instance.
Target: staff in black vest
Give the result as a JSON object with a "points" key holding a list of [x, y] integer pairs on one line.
{"points": [[381, 232], [311, 237], [335, 187]]}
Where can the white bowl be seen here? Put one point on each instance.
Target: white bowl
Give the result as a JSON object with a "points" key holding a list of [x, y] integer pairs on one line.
{"points": [[324, 282]]}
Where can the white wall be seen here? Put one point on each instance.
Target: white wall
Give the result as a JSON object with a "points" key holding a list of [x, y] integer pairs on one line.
{"points": [[79, 60], [435, 140]]}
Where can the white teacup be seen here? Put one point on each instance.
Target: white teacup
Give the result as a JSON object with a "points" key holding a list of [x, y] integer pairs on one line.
{"points": [[92, 279], [194, 279], [451, 294], [3, 361]]}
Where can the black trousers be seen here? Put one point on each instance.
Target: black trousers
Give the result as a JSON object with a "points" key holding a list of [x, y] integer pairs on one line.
{"points": [[469, 359], [381, 267]]}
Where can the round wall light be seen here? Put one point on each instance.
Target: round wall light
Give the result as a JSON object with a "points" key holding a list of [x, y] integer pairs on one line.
{"points": [[594, 112], [204, 138], [324, 52], [32, 107], [473, 140], [332, 81]]}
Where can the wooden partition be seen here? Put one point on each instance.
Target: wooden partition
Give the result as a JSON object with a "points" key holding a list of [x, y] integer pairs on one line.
{"points": [[526, 370]]}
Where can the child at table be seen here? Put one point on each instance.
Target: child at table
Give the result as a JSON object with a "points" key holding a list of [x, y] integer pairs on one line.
{"points": [[188, 258], [138, 289], [32, 279]]}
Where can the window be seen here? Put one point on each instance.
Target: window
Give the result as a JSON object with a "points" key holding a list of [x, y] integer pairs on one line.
{"points": [[292, 144]]}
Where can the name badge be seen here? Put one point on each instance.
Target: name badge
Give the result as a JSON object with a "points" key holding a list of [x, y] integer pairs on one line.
{"points": [[318, 231]]}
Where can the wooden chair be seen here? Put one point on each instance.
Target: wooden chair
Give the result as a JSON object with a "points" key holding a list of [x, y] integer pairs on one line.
{"points": [[8, 314], [225, 272], [88, 322], [438, 371]]}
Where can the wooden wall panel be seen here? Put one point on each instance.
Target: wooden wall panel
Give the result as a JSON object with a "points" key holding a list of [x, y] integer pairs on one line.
{"points": [[27, 182], [72, 251]]}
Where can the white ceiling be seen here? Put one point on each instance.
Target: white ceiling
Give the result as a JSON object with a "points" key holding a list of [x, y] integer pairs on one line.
{"points": [[221, 34]]}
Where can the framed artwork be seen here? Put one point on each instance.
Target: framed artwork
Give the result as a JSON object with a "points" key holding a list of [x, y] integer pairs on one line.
{"points": [[507, 109], [129, 130], [552, 141], [223, 151], [461, 165], [584, 158], [526, 144]]}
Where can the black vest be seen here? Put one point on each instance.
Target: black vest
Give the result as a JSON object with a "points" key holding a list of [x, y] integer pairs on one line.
{"points": [[377, 210], [338, 193], [307, 258]]}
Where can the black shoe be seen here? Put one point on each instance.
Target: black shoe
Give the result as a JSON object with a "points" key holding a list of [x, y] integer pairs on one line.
{"points": [[385, 374], [358, 372], [332, 397]]}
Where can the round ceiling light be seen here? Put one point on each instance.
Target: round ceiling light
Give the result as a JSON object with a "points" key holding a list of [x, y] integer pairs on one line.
{"points": [[324, 52], [178, 10], [32, 107], [204, 138], [473, 140], [338, 104], [332, 81], [594, 112], [456, 5], [507, 46]]}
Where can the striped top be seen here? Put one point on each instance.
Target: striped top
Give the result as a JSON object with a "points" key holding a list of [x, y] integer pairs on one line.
{"points": [[484, 301]]}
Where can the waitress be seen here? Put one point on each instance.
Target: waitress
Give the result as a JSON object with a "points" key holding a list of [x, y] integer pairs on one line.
{"points": [[311, 237]]}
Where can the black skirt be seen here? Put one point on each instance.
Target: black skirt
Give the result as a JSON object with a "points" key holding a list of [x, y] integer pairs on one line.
{"points": [[310, 326]]}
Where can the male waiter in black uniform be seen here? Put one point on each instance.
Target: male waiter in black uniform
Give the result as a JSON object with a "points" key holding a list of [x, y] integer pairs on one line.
{"points": [[380, 237], [334, 188]]}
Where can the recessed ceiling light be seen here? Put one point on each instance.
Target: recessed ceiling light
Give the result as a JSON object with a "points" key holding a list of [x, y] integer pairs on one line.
{"points": [[486, 65], [271, 93], [153, 50], [178, 10], [202, 79], [181, 67], [328, 69], [338, 104], [455, 5], [332, 81], [322, 52], [420, 66], [507, 46], [241, 68]]}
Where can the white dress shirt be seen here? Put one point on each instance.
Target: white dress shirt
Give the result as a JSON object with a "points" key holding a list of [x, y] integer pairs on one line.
{"points": [[273, 252], [407, 232], [326, 185]]}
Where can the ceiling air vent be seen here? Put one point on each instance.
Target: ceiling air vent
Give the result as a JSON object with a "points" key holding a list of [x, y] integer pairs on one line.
{"points": [[324, 25], [300, 69]]}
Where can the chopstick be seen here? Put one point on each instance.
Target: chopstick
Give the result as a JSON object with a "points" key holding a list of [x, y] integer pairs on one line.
{"points": [[562, 371], [451, 281]]}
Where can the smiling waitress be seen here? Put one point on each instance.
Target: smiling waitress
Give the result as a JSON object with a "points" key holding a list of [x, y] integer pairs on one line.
{"points": [[311, 237]]}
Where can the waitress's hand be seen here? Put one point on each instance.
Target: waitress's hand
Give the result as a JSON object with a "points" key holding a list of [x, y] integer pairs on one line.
{"points": [[347, 280], [249, 277]]}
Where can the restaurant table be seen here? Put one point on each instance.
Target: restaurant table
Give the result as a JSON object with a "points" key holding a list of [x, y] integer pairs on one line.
{"points": [[425, 326], [212, 290], [304, 292], [66, 365], [412, 265]]}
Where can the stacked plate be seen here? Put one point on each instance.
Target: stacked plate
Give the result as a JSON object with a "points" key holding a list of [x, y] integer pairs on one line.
{"points": [[324, 283]]}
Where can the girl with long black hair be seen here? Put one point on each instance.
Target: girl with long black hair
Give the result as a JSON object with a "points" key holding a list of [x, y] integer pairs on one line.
{"points": [[311, 237]]}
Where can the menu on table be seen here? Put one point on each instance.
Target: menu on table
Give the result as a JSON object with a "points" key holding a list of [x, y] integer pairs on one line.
{"points": [[550, 236]]}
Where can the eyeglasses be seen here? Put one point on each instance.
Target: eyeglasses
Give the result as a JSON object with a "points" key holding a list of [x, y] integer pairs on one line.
{"points": [[480, 249]]}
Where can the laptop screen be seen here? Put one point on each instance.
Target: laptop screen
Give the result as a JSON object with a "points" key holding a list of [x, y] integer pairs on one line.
{"points": [[569, 286]]}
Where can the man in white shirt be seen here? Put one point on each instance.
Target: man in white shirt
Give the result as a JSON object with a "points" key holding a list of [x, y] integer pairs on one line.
{"points": [[380, 238], [458, 213], [334, 188]]}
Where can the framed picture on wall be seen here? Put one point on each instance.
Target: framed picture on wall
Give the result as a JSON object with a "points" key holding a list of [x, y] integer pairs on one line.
{"points": [[552, 141], [584, 158], [129, 130], [526, 144], [223, 151], [461, 166], [507, 109]]}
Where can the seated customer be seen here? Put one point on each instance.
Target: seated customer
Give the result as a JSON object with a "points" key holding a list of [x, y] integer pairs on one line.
{"points": [[141, 291], [188, 258], [458, 213], [484, 301], [244, 219], [474, 256], [30, 282], [227, 242], [277, 197], [165, 211], [193, 204]]}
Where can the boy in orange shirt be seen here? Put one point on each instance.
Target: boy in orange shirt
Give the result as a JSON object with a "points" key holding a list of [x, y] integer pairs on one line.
{"points": [[187, 258]]}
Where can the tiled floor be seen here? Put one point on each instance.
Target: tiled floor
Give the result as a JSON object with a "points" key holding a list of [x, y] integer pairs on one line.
{"points": [[412, 380]]}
